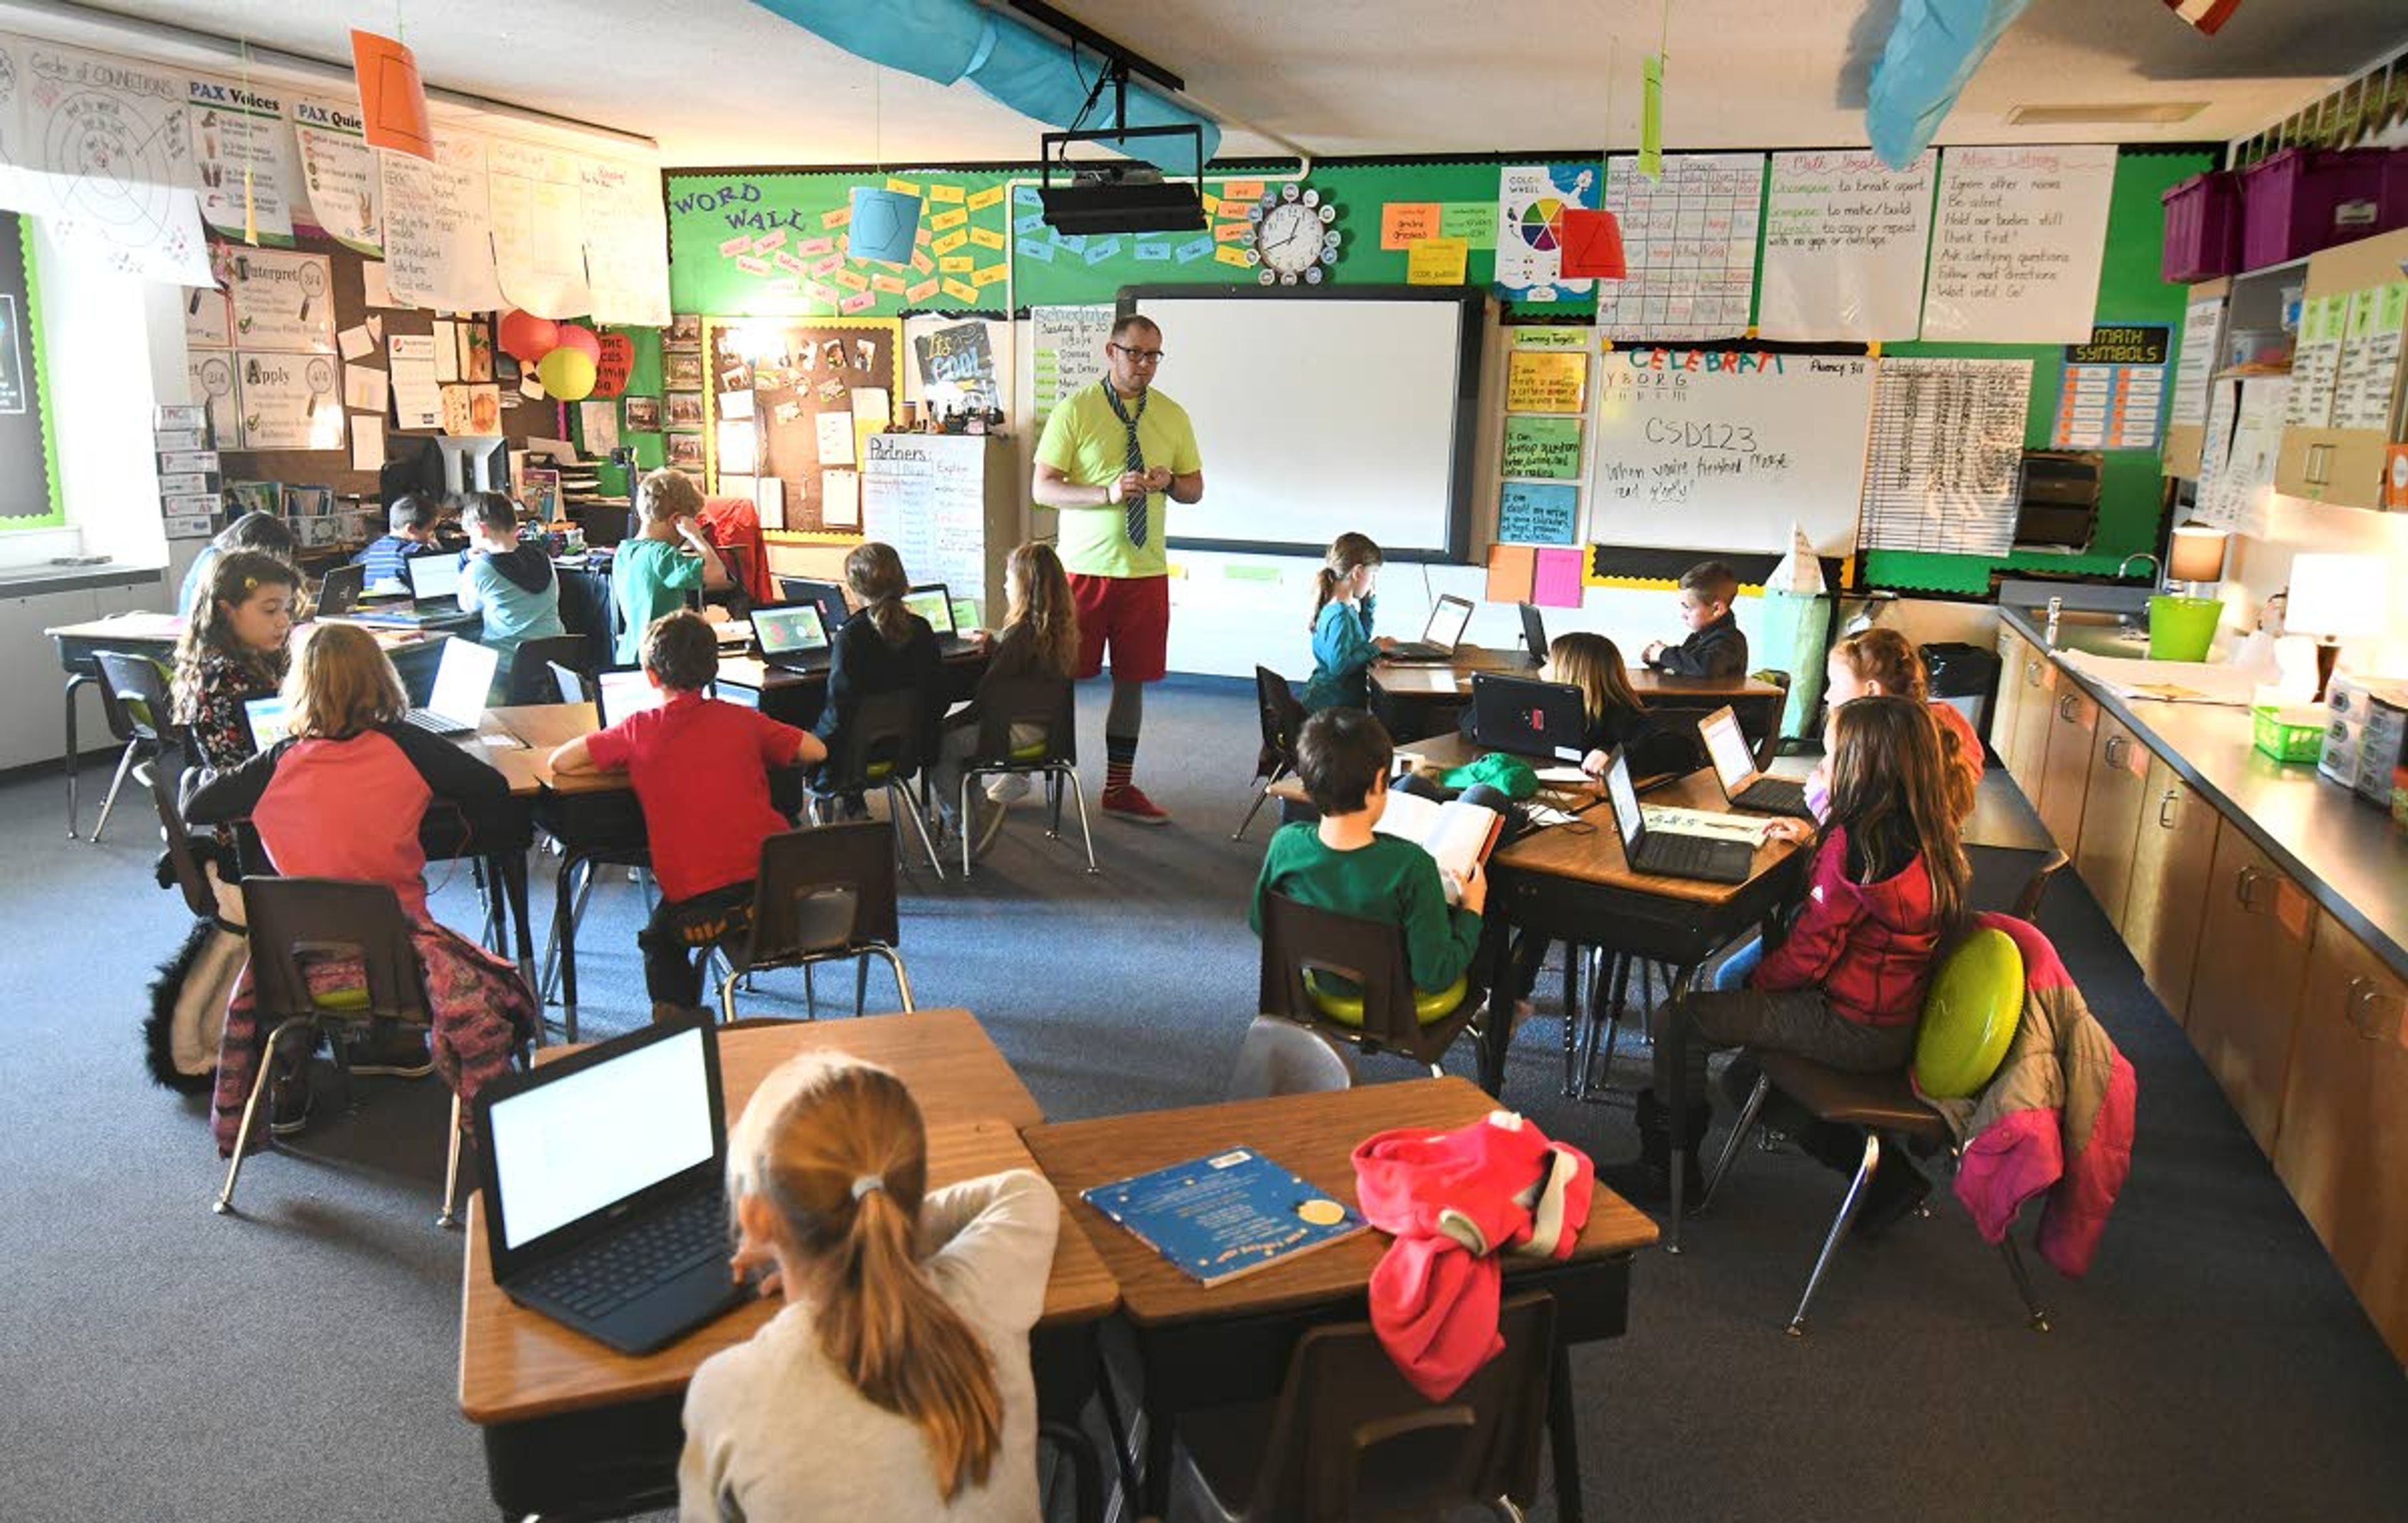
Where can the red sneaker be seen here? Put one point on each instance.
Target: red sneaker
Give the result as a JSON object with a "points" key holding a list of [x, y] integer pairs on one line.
{"points": [[1129, 803]]}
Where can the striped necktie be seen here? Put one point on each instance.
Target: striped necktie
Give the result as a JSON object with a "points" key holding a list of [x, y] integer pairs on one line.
{"points": [[1135, 506]]}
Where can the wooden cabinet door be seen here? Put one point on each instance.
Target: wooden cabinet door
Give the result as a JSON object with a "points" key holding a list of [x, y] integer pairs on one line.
{"points": [[2246, 981], [2111, 815], [2165, 899], [2035, 712], [2344, 1147], [2065, 763]]}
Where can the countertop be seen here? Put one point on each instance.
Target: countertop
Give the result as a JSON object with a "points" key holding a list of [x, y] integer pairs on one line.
{"points": [[2347, 853], [34, 581]]}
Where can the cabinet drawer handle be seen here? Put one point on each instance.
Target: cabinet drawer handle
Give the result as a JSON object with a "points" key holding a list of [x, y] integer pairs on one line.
{"points": [[2165, 811], [2115, 751], [2031, 673], [2245, 888], [2064, 707]]}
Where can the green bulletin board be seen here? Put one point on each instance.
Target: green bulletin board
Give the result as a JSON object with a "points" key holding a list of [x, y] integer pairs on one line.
{"points": [[29, 456]]}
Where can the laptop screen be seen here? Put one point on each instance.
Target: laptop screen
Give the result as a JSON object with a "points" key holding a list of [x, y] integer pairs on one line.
{"points": [[265, 717], [784, 631], [436, 575], [1732, 759], [931, 603], [462, 679], [565, 1150], [619, 694], [1626, 816], [1448, 617]]}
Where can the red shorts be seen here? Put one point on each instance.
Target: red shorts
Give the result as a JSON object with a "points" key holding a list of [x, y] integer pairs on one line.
{"points": [[1133, 613]]}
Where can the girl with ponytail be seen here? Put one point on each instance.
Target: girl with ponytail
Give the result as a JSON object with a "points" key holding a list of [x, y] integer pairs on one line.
{"points": [[1344, 647], [896, 1381]]}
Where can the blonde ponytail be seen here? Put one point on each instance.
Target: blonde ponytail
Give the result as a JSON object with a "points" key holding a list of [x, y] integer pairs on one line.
{"points": [[1347, 552]]}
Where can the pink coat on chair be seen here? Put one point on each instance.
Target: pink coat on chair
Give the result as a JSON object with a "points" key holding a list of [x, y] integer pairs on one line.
{"points": [[2055, 1119]]}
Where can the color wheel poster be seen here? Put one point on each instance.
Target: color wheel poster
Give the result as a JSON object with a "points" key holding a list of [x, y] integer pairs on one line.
{"points": [[1531, 199]]}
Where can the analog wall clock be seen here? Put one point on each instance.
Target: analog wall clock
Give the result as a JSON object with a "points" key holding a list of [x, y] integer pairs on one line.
{"points": [[1296, 237]]}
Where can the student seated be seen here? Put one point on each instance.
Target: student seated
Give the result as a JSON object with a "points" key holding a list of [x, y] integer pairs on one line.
{"points": [[896, 1382], [1039, 638], [233, 650], [1874, 662], [1716, 647], [343, 795], [1343, 646], [260, 531], [1886, 887], [669, 557], [410, 525], [1343, 757], [508, 583], [698, 768], [884, 647]]}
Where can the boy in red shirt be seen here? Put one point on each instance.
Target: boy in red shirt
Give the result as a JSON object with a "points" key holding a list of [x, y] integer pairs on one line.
{"points": [[700, 768]]}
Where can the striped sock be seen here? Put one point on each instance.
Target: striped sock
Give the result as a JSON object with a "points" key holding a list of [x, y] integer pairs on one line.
{"points": [[1119, 757]]}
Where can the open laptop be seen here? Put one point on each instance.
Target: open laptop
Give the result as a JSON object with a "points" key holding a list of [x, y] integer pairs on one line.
{"points": [[435, 577], [827, 595], [1439, 636], [464, 679], [605, 1181], [1669, 853], [621, 691], [792, 636], [266, 719], [934, 603], [1534, 633], [1735, 768], [339, 593], [1528, 717]]}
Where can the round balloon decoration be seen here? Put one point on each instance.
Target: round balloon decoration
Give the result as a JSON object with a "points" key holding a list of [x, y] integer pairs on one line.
{"points": [[527, 337], [582, 340], [566, 374]]}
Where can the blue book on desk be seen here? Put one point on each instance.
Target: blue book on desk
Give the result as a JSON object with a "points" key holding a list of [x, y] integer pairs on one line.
{"points": [[1226, 1215]]}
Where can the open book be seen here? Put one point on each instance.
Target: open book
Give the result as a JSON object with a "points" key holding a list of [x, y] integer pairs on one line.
{"points": [[1455, 834]]}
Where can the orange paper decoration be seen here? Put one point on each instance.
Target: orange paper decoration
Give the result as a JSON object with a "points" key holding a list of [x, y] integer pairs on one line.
{"points": [[393, 99]]}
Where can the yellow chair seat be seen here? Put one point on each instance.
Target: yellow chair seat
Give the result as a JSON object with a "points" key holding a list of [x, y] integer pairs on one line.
{"points": [[1970, 1016], [876, 771], [341, 1000], [1033, 751], [1345, 1006]]}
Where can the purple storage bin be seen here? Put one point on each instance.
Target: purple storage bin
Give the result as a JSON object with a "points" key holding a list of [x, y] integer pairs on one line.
{"points": [[2290, 201], [2202, 227]]}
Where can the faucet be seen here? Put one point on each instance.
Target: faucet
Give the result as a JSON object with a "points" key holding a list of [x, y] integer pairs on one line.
{"points": [[2155, 565]]}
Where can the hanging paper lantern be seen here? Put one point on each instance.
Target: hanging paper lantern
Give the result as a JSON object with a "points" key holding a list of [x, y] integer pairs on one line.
{"points": [[566, 374], [527, 337], [610, 372], [582, 340]]}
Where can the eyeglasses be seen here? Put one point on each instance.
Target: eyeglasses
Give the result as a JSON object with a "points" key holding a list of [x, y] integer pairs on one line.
{"points": [[1142, 356]]}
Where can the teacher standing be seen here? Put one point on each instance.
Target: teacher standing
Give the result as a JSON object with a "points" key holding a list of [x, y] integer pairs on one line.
{"points": [[1113, 455]]}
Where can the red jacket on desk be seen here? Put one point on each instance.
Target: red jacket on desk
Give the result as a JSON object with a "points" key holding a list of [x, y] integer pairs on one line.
{"points": [[1454, 1200]]}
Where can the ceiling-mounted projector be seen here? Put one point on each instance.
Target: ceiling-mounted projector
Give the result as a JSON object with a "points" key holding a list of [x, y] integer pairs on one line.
{"points": [[1118, 197]]}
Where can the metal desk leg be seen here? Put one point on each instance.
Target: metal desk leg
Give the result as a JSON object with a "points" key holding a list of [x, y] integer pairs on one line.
{"points": [[1563, 1436], [563, 933], [1496, 1026], [75, 680], [512, 868]]}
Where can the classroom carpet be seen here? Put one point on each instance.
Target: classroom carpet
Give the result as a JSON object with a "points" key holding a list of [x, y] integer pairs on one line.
{"points": [[299, 1362]]}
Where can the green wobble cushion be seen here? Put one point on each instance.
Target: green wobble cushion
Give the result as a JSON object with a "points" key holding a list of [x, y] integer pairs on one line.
{"points": [[1345, 1005], [1970, 1016]]}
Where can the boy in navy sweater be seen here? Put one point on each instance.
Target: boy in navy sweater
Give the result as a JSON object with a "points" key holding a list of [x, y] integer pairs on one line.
{"points": [[1716, 647]]}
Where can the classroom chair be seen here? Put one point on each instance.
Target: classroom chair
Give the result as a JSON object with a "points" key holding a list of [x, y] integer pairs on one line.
{"points": [[1282, 716], [569, 682], [532, 679], [884, 747], [1768, 746], [1281, 1057], [1349, 1438], [297, 919], [1885, 1108], [824, 893], [165, 782], [2035, 889], [1046, 703], [133, 697], [1310, 956]]}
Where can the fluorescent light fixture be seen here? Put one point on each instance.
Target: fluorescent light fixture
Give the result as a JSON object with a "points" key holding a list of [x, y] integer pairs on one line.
{"points": [[2116, 113]]}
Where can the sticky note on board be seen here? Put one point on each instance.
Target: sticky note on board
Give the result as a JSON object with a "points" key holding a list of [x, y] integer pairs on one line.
{"points": [[981, 200], [1473, 221], [921, 262], [922, 292], [1229, 253], [858, 303], [1233, 232], [986, 237], [1032, 249], [1240, 189], [774, 239], [943, 195], [1541, 380], [991, 275], [837, 217], [957, 264], [1539, 447], [960, 290], [891, 284], [951, 241], [1404, 224], [901, 187], [1538, 512], [945, 220], [1557, 579], [1513, 569], [853, 280], [1437, 261]]}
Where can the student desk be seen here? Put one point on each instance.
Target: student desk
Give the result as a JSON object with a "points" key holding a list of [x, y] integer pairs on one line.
{"points": [[573, 1427], [155, 635], [795, 698], [1205, 1346], [1415, 699]]}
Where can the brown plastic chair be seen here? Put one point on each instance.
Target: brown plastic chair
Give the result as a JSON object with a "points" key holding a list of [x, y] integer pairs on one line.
{"points": [[1282, 717], [1281, 1057], [293, 919], [1046, 703], [1299, 940], [2035, 889], [824, 893], [885, 745], [531, 667], [1349, 1438], [133, 697], [200, 896]]}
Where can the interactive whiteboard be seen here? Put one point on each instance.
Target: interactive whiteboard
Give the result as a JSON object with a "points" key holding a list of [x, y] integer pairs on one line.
{"points": [[1724, 449], [1318, 411]]}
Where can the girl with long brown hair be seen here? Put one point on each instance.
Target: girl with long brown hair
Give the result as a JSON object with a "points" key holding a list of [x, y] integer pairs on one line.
{"points": [[1886, 887], [233, 649], [883, 647], [1039, 638], [1344, 647], [896, 1382]]}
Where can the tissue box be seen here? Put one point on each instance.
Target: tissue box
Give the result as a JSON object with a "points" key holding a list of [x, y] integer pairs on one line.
{"points": [[2382, 744], [2289, 735]]}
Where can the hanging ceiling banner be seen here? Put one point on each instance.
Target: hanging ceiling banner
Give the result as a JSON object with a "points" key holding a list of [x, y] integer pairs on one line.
{"points": [[626, 242], [344, 192], [243, 158], [439, 245], [538, 214], [110, 138]]}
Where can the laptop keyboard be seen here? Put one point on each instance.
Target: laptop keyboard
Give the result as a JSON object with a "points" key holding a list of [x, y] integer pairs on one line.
{"points": [[607, 1273], [1674, 854], [435, 723], [1770, 793]]}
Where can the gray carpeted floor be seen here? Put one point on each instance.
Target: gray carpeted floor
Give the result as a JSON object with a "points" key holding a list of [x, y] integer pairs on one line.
{"points": [[299, 1362]]}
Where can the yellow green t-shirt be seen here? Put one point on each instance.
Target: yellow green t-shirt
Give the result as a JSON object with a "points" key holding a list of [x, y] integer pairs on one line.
{"points": [[1084, 441]]}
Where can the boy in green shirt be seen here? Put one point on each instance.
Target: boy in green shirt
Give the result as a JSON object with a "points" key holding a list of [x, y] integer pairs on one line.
{"points": [[651, 576], [1343, 757]]}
